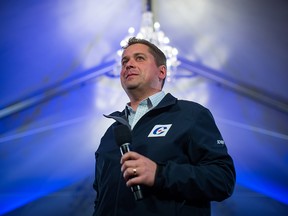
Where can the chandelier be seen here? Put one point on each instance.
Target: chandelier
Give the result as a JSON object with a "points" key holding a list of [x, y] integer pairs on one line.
{"points": [[151, 31]]}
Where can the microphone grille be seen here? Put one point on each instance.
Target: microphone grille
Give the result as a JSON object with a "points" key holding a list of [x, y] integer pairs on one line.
{"points": [[122, 134]]}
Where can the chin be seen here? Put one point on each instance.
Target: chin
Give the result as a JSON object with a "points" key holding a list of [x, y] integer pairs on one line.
{"points": [[131, 87]]}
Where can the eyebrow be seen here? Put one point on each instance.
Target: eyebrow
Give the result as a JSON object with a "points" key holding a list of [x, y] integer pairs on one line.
{"points": [[137, 54]]}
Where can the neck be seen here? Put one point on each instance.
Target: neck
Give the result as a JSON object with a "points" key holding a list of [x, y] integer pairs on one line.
{"points": [[135, 99]]}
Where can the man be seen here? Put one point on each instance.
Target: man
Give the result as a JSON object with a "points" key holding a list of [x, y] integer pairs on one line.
{"points": [[178, 155]]}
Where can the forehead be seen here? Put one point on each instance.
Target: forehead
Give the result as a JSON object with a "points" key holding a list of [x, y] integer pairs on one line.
{"points": [[136, 48]]}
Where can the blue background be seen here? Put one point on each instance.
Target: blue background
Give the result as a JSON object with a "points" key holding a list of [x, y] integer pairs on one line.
{"points": [[58, 78]]}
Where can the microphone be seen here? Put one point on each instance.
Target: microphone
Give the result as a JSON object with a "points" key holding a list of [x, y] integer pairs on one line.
{"points": [[123, 139]]}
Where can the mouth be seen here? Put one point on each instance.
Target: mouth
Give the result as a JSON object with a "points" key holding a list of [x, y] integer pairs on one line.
{"points": [[130, 74]]}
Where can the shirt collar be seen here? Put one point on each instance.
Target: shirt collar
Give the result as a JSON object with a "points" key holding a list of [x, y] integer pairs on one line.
{"points": [[150, 102], [156, 98]]}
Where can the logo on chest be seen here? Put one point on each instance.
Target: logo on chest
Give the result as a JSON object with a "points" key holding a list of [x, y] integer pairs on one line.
{"points": [[160, 130]]}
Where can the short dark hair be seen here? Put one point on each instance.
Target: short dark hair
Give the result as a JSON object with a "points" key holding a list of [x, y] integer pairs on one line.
{"points": [[159, 56]]}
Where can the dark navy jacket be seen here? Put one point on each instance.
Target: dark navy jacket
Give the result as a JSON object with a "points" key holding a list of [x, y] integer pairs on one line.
{"points": [[194, 167]]}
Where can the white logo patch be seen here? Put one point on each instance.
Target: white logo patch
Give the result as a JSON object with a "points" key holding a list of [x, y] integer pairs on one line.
{"points": [[159, 130], [220, 142]]}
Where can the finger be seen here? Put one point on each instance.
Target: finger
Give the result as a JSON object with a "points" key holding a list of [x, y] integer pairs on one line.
{"points": [[129, 164], [134, 181], [134, 172], [130, 173], [129, 156]]}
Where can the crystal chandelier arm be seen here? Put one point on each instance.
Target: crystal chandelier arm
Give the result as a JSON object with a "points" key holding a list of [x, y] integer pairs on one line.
{"points": [[149, 5]]}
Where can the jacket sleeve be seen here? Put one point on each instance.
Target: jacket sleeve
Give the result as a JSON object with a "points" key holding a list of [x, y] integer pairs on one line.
{"points": [[95, 186], [210, 174]]}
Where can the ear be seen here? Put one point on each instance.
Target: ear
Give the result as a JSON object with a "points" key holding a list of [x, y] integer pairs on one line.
{"points": [[162, 72]]}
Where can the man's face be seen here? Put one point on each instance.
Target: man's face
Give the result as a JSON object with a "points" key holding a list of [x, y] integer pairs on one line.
{"points": [[139, 70]]}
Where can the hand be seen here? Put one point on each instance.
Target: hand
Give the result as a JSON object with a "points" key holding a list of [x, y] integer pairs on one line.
{"points": [[138, 169]]}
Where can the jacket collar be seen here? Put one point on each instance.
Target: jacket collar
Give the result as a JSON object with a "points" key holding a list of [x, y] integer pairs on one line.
{"points": [[168, 100]]}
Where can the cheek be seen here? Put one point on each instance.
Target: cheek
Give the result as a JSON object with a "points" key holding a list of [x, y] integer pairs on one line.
{"points": [[121, 74]]}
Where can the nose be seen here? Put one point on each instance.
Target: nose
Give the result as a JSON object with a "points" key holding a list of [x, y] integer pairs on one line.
{"points": [[130, 64]]}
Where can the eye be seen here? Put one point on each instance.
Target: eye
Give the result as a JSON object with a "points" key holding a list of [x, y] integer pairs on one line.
{"points": [[124, 61], [140, 58]]}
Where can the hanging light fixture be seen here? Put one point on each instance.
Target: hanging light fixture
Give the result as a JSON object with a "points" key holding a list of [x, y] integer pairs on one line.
{"points": [[151, 31]]}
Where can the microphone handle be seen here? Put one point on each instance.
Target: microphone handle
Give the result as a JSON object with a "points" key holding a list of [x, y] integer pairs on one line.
{"points": [[124, 148], [136, 189]]}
